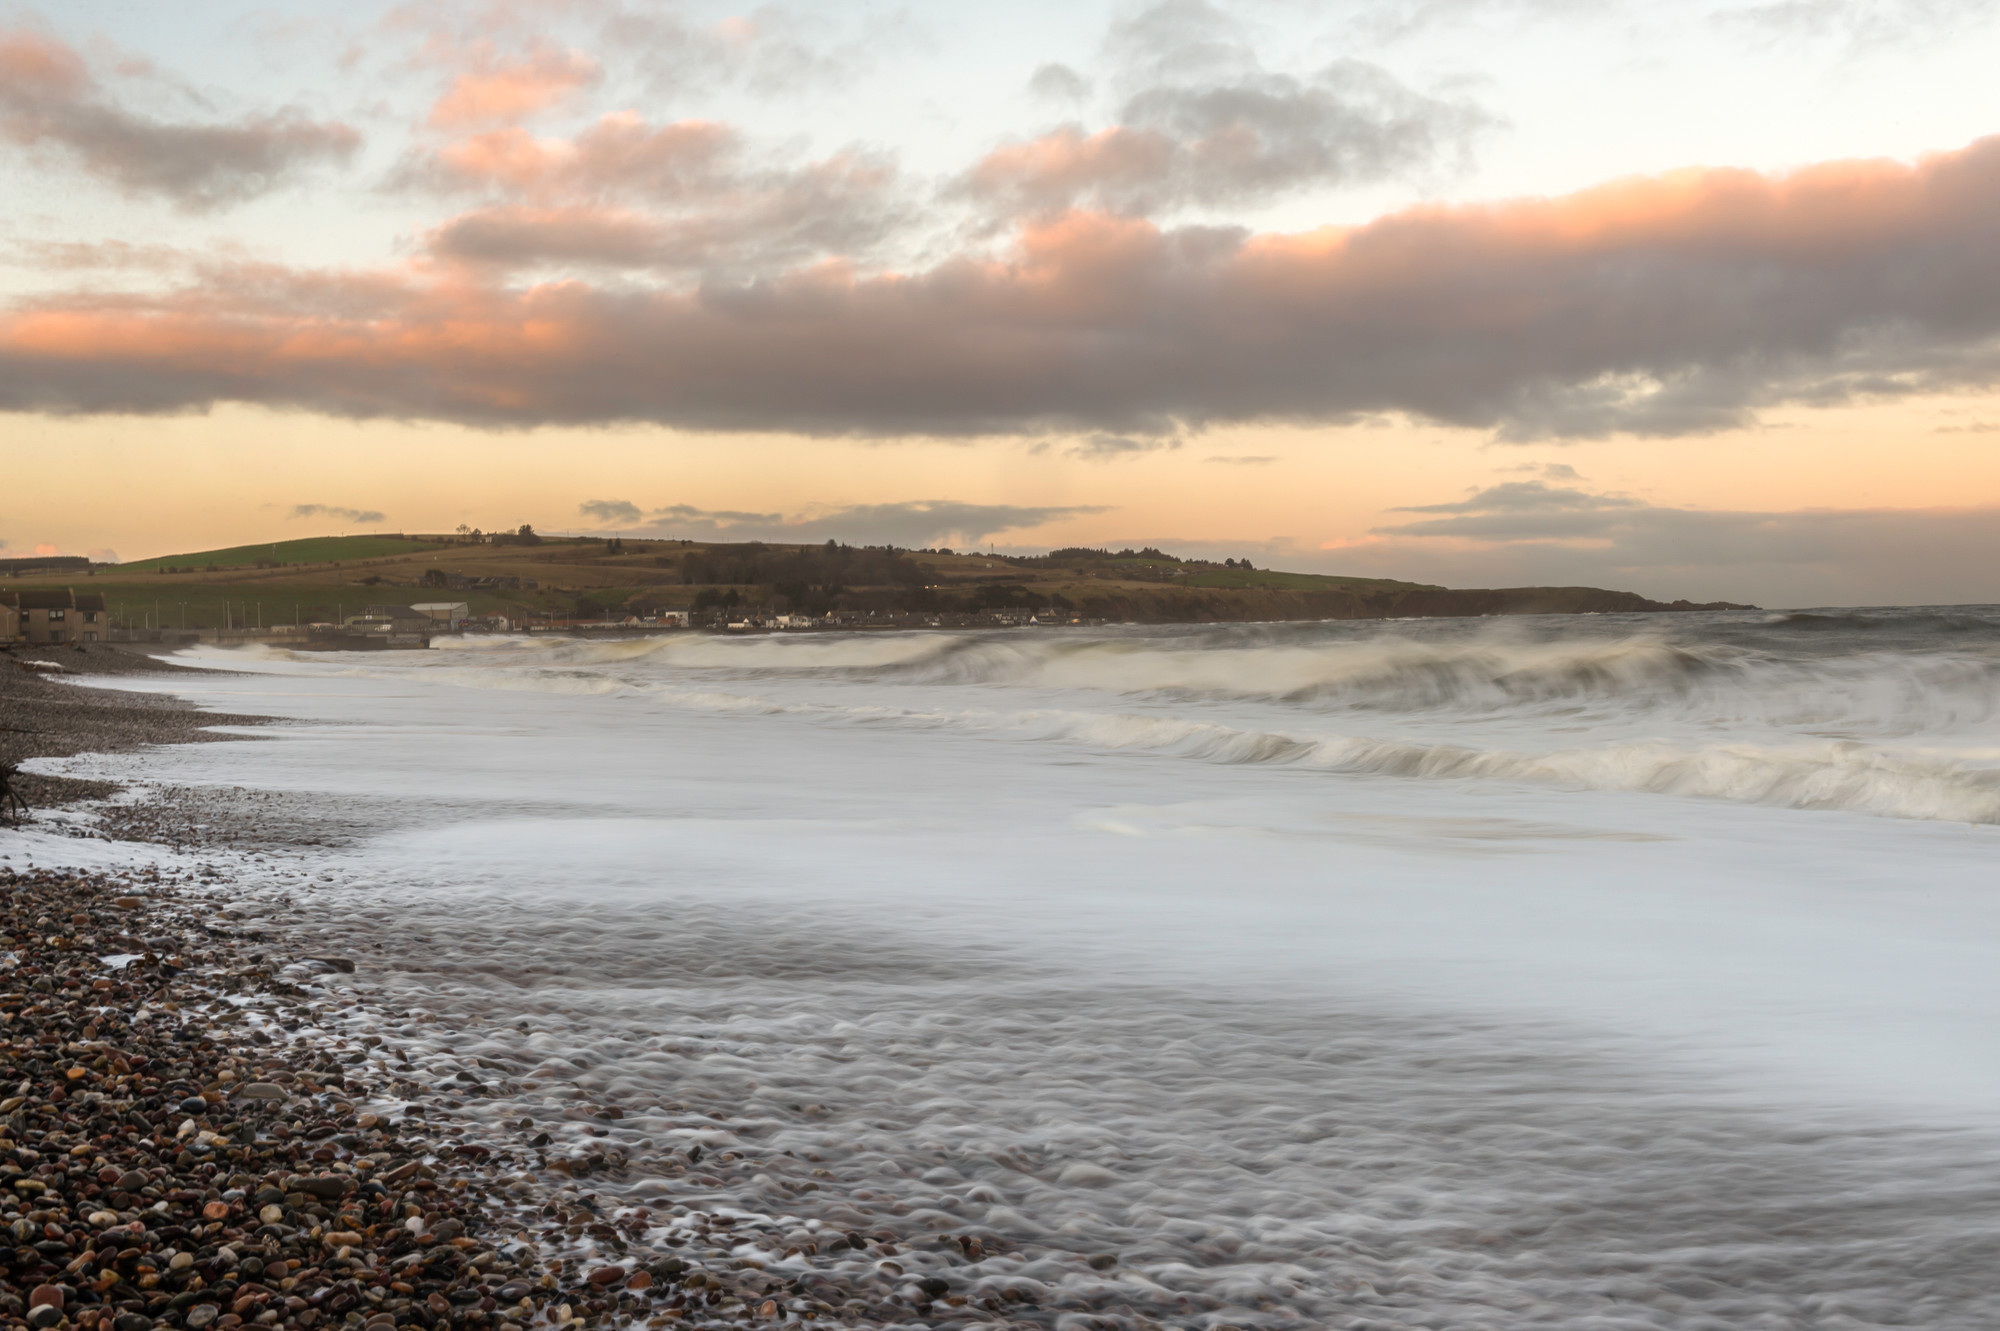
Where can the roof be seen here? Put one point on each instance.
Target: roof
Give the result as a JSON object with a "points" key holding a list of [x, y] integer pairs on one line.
{"points": [[90, 601], [47, 600]]}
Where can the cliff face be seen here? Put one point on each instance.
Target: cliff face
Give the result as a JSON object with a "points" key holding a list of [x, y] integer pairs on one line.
{"points": [[1259, 604]]}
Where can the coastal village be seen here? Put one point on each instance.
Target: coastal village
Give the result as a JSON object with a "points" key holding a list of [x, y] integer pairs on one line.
{"points": [[402, 591]]}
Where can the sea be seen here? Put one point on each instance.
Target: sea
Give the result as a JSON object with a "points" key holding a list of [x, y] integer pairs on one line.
{"points": [[1618, 971]]}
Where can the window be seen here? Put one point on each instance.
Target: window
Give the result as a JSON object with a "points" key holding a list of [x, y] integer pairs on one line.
{"points": [[57, 616]]}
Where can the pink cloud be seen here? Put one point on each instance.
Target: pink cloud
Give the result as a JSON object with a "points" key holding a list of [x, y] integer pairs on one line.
{"points": [[493, 90], [37, 66], [1670, 304], [619, 155]]}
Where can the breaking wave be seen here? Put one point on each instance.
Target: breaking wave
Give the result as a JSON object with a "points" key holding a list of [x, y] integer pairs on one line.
{"points": [[1894, 713]]}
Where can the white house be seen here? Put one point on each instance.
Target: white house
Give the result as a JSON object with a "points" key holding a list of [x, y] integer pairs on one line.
{"points": [[452, 613]]}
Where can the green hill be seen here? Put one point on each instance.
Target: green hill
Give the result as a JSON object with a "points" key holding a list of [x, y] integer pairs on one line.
{"points": [[1299, 582], [310, 550]]}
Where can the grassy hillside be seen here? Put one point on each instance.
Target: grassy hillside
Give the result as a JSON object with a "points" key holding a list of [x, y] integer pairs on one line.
{"points": [[323, 578], [1298, 582], [309, 550]]}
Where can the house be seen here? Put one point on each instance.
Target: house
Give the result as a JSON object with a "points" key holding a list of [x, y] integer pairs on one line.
{"points": [[453, 614], [49, 617], [10, 617], [395, 619], [94, 621]]}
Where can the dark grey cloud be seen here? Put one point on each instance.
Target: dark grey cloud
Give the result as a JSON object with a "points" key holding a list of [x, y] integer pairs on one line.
{"points": [[915, 524], [49, 98], [1532, 533], [339, 511], [1111, 447], [1657, 307]]}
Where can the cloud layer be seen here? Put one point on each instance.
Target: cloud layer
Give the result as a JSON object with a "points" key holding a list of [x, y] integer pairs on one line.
{"points": [[913, 524], [1658, 305], [335, 511], [1532, 532], [1243, 141], [49, 98]]}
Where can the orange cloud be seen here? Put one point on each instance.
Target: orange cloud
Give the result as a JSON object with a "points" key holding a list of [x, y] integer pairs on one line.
{"points": [[620, 154], [1066, 163], [31, 63], [502, 91], [1667, 305]]}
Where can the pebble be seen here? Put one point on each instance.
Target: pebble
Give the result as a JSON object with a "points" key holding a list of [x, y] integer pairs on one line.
{"points": [[137, 1196]]}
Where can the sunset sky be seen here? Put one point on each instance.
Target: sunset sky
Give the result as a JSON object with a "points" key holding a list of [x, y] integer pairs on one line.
{"points": [[1696, 299]]}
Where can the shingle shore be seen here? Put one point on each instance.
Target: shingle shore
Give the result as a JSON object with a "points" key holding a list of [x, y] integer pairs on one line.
{"points": [[170, 1161], [43, 715], [157, 1173], [187, 1142]]}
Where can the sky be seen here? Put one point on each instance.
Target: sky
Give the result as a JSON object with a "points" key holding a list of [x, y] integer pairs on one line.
{"points": [[1693, 299]]}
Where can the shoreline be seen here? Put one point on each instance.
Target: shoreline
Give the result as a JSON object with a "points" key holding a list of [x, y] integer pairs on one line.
{"points": [[264, 1002], [46, 717]]}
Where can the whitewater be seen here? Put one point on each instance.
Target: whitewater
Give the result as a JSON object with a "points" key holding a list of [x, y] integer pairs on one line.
{"points": [[1611, 971]]}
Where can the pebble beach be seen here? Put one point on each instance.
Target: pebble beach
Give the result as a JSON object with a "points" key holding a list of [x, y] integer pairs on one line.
{"points": [[202, 1128]]}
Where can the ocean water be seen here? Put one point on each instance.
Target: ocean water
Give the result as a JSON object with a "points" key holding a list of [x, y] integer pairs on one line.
{"points": [[1619, 971]]}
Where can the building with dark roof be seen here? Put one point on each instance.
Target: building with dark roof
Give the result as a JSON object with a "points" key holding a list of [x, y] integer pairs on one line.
{"points": [[52, 616]]}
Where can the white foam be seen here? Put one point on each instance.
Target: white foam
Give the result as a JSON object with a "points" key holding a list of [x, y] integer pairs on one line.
{"points": [[1411, 1009]]}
